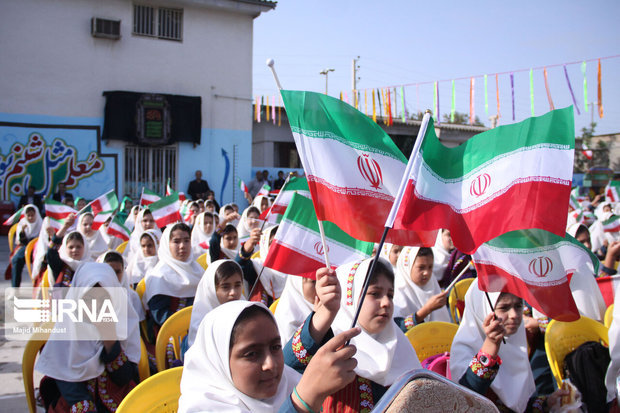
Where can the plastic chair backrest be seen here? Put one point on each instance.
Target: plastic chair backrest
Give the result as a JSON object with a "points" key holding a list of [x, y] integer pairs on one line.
{"points": [[11, 236], [121, 247], [457, 294], [202, 260], [141, 288], [144, 371], [563, 337], [45, 285], [32, 349], [431, 338], [175, 327], [273, 306], [609, 316], [256, 254], [158, 394], [28, 255]]}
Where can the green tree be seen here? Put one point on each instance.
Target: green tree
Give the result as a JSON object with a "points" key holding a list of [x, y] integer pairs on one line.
{"points": [[461, 119]]}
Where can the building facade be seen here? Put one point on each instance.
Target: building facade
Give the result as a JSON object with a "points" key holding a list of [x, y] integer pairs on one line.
{"points": [[121, 94]]}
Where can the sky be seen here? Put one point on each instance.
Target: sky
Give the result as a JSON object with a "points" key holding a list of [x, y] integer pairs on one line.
{"points": [[411, 42]]}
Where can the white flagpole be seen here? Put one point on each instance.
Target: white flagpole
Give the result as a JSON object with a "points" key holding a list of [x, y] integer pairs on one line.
{"points": [[270, 63]]}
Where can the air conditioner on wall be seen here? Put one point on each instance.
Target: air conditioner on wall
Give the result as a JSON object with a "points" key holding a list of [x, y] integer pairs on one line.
{"points": [[105, 28]]}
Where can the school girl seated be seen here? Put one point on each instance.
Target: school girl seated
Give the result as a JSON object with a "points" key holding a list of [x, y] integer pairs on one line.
{"points": [[480, 361], [383, 351], [236, 365], [145, 258], [65, 254], [89, 375], [417, 296], [28, 229], [96, 243], [171, 284]]}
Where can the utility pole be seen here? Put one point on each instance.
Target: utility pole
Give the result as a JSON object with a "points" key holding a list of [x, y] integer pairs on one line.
{"points": [[354, 79], [326, 73]]}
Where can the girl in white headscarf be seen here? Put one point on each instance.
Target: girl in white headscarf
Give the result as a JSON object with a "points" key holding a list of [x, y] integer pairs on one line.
{"points": [[391, 252], [480, 361], [221, 375], [63, 262], [224, 243], [144, 221], [96, 243], [262, 202], [417, 296], [130, 222], [202, 232], [171, 284], [111, 241], [83, 370], [272, 281], [146, 257], [249, 220], [115, 260], [28, 228], [222, 282], [441, 253], [383, 351]]}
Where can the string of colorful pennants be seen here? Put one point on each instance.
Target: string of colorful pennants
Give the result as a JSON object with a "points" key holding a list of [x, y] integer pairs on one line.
{"points": [[385, 104]]}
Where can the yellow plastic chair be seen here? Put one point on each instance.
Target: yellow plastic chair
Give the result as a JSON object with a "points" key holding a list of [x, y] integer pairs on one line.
{"points": [[45, 286], [273, 306], [144, 371], [158, 394], [202, 260], [32, 349], [256, 254], [121, 247], [458, 294], [609, 316], [140, 289], [432, 338], [28, 254], [175, 327], [11, 236], [561, 338]]}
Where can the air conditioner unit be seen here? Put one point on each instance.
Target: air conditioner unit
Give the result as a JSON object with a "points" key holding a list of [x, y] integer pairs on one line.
{"points": [[105, 28]]}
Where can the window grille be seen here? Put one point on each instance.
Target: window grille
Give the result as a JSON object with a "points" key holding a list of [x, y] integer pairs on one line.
{"points": [[149, 168], [170, 24], [161, 22]]}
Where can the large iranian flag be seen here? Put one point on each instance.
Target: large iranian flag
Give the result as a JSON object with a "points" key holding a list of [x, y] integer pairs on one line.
{"points": [[612, 191], [535, 265], [297, 248], [353, 167], [166, 210], [57, 210], [508, 178], [105, 202]]}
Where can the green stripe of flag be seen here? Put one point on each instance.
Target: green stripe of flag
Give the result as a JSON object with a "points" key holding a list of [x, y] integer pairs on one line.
{"points": [[317, 116], [553, 130]]}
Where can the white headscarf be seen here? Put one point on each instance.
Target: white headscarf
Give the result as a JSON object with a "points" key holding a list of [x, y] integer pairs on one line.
{"points": [[78, 360], [273, 281], [170, 276], [31, 230], [134, 298], [222, 214], [293, 308], [410, 297], [514, 383], [243, 227], [441, 257], [130, 222], [199, 236], [206, 298], [613, 371], [207, 386], [134, 241], [381, 357], [96, 243], [258, 200], [64, 255], [139, 264]]}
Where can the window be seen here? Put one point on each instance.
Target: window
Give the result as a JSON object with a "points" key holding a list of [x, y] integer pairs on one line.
{"points": [[161, 22], [149, 168]]}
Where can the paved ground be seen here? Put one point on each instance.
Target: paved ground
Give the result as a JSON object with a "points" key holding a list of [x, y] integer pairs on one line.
{"points": [[12, 398]]}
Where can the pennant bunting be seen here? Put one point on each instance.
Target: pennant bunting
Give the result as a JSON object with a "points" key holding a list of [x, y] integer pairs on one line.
{"points": [[486, 97], [497, 96], [585, 85], [570, 88], [453, 105], [472, 106], [551, 107], [532, 91], [600, 91], [512, 93]]}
